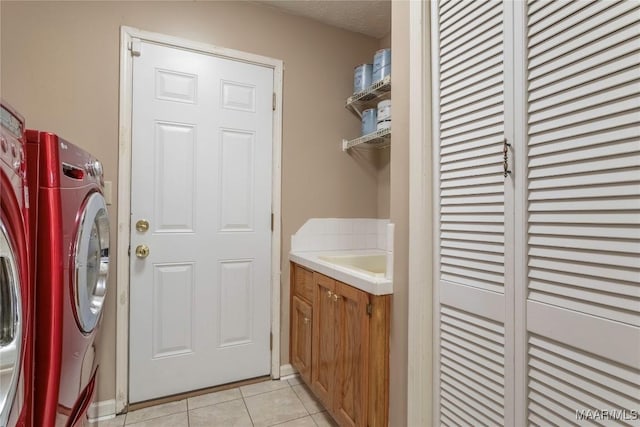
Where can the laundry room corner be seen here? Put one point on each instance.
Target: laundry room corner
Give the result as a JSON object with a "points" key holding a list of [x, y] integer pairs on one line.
{"points": [[71, 50]]}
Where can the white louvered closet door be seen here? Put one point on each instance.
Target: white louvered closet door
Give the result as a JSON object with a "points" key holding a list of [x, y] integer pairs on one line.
{"points": [[538, 291], [582, 215], [474, 374]]}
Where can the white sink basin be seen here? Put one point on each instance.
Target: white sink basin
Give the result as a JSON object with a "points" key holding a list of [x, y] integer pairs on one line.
{"points": [[374, 265]]}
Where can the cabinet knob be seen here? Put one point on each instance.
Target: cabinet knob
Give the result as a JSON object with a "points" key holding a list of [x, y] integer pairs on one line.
{"points": [[336, 297], [329, 293], [306, 320]]}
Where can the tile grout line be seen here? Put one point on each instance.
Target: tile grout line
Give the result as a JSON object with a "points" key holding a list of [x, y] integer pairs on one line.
{"points": [[247, 409], [188, 417], [286, 385], [294, 419], [153, 418], [279, 389], [302, 403], [264, 392]]}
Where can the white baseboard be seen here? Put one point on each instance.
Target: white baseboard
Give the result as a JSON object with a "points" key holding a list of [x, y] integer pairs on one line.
{"points": [[287, 371], [102, 410]]}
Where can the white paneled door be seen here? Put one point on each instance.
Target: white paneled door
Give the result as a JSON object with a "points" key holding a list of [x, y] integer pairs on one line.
{"points": [[538, 171], [200, 221]]}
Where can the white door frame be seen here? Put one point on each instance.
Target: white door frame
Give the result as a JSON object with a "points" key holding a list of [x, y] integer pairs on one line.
{"points": [[127, 35], [420, 403]]}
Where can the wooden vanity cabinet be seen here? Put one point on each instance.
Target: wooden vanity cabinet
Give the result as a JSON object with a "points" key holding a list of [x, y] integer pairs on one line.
{"points": [[301, 320], [349, 349]]}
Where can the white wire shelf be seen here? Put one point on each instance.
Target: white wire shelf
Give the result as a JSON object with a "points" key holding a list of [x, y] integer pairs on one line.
{"points": [[377, 139], [368, 98]]}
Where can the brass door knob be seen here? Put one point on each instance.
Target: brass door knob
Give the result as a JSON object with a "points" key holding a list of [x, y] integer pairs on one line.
{"points": [[142, 251], [142, 225]]}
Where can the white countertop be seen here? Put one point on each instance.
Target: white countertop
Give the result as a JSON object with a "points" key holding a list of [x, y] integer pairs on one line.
{"points": [[368, 283]]}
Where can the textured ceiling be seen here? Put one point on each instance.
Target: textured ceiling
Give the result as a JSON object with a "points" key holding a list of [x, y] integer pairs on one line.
{"points": [[370, 17]]}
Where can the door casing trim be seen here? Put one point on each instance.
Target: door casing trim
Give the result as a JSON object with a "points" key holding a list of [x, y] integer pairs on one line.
{"points": [[127, 35], [422, 294]]}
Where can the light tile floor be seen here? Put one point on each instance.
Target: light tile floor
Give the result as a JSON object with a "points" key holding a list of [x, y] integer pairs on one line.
{"points": [[286, 403]]}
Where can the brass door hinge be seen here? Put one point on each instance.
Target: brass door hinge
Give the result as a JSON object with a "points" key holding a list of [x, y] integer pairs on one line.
{"points": [[270, 340], [271, 221], [274, 101], [135, 46], [369, 309]]}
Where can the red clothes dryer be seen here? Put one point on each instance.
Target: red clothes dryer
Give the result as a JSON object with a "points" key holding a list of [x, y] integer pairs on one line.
{"points": [[16, 285], [70, 219]]}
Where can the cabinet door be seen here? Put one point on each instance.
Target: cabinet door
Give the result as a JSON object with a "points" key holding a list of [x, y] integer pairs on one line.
{"points": [[301, 322], [352, 360], [323, 350]]}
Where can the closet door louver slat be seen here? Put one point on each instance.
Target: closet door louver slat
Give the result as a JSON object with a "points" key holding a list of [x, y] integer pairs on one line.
{"points": [[583, 213]]}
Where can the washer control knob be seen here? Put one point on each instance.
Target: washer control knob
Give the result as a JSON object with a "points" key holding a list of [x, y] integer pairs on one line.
{"points": [[94, 168], [19, 163], [15, 160], [98, 167]]}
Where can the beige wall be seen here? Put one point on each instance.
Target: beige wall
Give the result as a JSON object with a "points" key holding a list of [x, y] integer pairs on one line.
{"points": [[384, 180], [399, 211], [385, 42], [59, 67]]}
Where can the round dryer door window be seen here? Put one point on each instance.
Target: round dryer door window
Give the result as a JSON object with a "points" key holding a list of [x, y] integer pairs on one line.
{"points": [[10, 325], [91, 262]]}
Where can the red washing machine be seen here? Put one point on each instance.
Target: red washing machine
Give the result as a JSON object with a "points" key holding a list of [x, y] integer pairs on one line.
{"points": [[16, 285], [70, 219]]}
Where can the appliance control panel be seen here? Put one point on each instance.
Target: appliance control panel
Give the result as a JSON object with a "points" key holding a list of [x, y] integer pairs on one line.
{"points": [[11, 145], [80, 165]]}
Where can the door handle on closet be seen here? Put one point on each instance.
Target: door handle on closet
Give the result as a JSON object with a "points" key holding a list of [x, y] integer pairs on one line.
{"points": [[505, 151]]}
